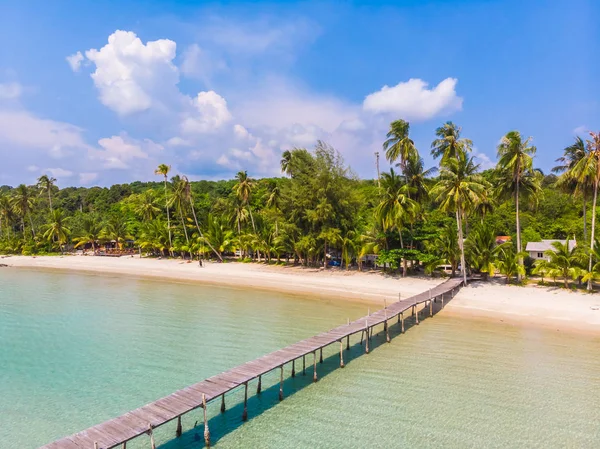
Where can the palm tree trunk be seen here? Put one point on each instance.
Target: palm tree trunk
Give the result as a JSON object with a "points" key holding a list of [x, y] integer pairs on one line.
{"points": [[50, 199], [31, 223], [593, 236], [325, 255], [463, 267], [168, 217], [202, 235], [518, 229], [585, 236]]}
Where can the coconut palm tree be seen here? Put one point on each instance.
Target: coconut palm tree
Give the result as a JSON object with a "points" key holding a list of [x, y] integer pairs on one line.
{"points": [[46, 183], [589, 168], [449, 144], [91, 230], [164, 169], [458, 190], [568, 182], [145, 205], [446, 246], [22, 203], [509, 261], [286, 162], [117, 229], [219, 236], [416, 177], [395, 207], [565, 259], [57, 229], [482, 250], [515, 175], [6, 213], [398, 145], [180, 200], [243, 190]]}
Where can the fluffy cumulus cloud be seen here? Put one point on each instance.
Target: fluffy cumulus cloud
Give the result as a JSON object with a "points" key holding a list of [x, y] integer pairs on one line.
{"points": [[412, 99], [59, 172], [131, 75], [210, 112], [119, 152]]}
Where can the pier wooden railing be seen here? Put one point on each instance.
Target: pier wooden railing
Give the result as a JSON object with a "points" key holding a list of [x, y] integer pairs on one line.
{"points": [[118, 431]]}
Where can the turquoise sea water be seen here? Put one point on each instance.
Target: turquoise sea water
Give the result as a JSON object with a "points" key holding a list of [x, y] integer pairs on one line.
{"points": [[78, 349]]}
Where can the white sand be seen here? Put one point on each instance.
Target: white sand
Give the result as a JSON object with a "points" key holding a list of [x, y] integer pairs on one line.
{"points": [[552, 307]]}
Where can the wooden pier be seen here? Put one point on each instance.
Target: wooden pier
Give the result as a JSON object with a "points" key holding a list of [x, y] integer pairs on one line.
{"points": [[118, 431]]}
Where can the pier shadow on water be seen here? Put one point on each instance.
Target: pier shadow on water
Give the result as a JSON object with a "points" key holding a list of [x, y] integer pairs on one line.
{"points": [[221, 424]]}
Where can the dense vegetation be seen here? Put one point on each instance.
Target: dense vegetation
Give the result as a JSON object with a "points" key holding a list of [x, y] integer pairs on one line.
{"points": [[411, 217]]}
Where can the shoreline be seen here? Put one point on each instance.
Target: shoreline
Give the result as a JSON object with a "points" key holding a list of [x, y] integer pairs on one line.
{"points": [[551, 308]]}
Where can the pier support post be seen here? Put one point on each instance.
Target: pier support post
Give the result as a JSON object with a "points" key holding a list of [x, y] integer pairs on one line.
{"points": [[416, 315], [223, 403], [206, 430], [95, 445], [387, 332], [442, 300], [315, 366], [341, 354], [430, 308], [304, 365], [259, 387], [294, 368], [281, 384], [367, 338], [245, 412], [321, 355], [124, 445], [179, 430], [362, 333], [402, 321], [348, 343], [152, 442]]}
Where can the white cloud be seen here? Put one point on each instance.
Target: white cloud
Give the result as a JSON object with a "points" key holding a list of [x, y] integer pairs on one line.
{"points": [[118, 151], [10, 91], [240, 132], [130, 75], [59, 172], [33, 168], [178, 142], [412, 100], [75, 61], [24, 129], [580, 130], [210, 113], [87, 178]]}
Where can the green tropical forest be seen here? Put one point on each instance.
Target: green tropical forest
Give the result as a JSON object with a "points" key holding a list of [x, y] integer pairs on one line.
{"points": [[409, 219]]}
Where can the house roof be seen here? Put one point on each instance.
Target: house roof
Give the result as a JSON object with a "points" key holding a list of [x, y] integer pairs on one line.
{"points": [[545, 245]]}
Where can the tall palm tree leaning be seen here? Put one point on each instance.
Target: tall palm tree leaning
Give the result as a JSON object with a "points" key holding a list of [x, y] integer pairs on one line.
{"points": [[164, 169], [589, 168], [45, 184], [458, 190], [516, 177], [568, 182], [399, 146], [188, 195], [22, 203]]}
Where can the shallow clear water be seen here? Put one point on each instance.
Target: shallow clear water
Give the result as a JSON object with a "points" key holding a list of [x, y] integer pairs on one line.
{"points": [[77, 349]]}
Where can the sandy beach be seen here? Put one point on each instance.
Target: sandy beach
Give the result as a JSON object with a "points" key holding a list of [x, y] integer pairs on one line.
{"points": [[553, 308]]}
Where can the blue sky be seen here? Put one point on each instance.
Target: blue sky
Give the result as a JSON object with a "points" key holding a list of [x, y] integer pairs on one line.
{"points": [[101, 92]]}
